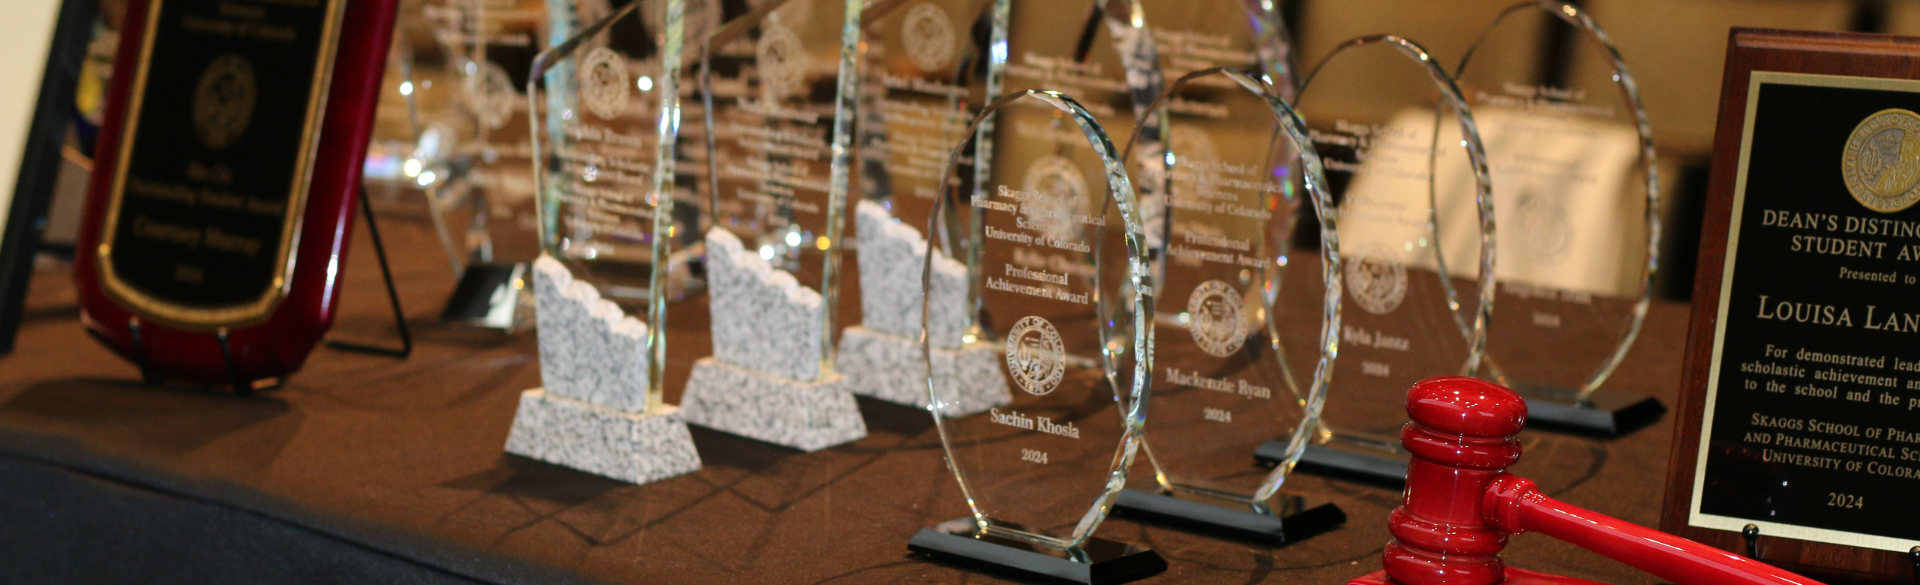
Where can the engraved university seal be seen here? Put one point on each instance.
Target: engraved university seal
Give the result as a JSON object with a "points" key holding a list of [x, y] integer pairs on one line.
{"points": [[1376, 283], [490, 94], [1544, 227], [1035, 356], [223, 101], [929, 36], [1213, 317], [1882, 160], [782, 62], [603, 82]]}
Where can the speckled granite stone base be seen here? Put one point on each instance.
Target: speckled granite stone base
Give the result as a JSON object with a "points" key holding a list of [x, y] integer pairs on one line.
{"points": [[891, 368], [590, 350], [762, 317], [892, 257], [631, 447], [808, 416]]}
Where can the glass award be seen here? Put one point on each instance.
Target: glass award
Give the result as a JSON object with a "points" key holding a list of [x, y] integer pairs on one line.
{"points": [[1233, 368], [922, 81], [603, 114], [1062, 265], [780, 88], [471, 157], [1572, 292], [1400, 150]]}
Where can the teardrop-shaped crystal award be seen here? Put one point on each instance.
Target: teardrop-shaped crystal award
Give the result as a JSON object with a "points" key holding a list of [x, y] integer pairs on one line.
{"points": [[1041, 472], [923, 78], [780, 89], [1400, 149], [604, 113], [1233, 368], [1573, 172]]}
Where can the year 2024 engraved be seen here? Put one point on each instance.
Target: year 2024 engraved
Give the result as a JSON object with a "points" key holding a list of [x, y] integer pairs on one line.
{"points": [[1217, 414], [1032, 456], [1375, 369], [1846, 501]]}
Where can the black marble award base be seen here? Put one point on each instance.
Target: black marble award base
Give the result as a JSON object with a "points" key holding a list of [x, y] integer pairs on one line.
{"points": [[1297, 520], [1384, 467], [1100, 560], [1604, 413], [486, 296]]}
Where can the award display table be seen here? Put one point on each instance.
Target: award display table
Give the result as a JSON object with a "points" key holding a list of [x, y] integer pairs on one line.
{"points": [[364, 469]]}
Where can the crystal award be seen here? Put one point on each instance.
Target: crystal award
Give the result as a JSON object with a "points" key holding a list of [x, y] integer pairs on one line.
{"points": [[1233, 367], [1572, 292], [604, 111], [472, 154], [1041, 471], [1391, 129], [780, 89], [922, 81]]}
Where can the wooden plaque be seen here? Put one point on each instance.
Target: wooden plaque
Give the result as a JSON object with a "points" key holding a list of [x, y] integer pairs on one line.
{"points": [[218, 218], [1803, 423]]}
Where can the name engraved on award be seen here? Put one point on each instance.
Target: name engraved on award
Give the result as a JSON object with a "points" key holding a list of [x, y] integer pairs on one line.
{"points": [[1809, 430], [212, 172]]}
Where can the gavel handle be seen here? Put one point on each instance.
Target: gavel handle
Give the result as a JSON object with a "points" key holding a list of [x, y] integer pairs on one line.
{"points": [[1515, 505]]}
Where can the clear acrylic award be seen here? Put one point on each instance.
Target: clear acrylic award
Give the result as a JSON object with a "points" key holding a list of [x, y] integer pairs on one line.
{"points": [[1574, 175], [1233, 366], [604, 113], [923, 78], [779, 91], [1062, 265], [1400, 150], [472, 157]]}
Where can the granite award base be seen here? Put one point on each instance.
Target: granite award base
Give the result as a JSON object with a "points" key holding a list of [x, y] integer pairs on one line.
{"points": [[631, 447], [1602, 414], [808, 416], [1100, 561], [892, 368], [1381, 467], [1299, 519]]}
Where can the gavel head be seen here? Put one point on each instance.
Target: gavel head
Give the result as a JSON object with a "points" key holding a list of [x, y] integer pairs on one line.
{"points": [[1461, 437]]}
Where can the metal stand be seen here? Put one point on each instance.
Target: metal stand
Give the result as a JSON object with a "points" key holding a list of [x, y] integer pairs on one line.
{"points": [[1752, 535], [1099, 561], [1297, 520], [1345, 456], [140, 353], [393, 298]]}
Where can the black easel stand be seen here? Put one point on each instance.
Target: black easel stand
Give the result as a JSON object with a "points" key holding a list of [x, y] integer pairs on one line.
{"points": [[1099, 561], [1297, 520], [393, 298]]}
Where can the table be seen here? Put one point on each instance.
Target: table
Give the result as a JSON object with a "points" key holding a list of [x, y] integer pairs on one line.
{"points": [[370, 470]]}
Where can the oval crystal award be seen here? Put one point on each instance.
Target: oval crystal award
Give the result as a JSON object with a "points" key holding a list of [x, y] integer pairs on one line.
{"points": [[1234, 368], [923, 79], [1395, 137], [604, 112], [780, 85], [1574, 174], [1041, 472]]}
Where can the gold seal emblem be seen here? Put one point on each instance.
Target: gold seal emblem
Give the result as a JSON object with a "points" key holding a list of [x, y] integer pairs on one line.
{"points": [[223, 101], [1882, 160]]}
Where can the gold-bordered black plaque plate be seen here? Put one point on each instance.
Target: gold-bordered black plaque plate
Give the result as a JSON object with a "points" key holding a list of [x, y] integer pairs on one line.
{"points": [[1809, 427], [210, 182]]}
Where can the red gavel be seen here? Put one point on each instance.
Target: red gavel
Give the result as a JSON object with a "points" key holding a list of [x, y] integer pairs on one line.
{"points": [[1461, 505]]}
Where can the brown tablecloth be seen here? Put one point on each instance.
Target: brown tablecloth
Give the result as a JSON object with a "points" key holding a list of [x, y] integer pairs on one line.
{"points": [[414, 447]]}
